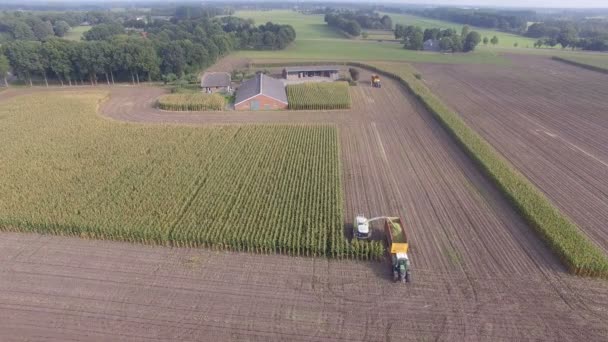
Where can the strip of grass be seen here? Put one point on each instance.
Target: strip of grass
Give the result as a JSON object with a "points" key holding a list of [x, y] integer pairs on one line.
{"points": [[599, 65], [577, 252]]}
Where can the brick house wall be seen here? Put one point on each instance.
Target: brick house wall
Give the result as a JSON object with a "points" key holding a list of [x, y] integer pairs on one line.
{"points": [[263, 103]]}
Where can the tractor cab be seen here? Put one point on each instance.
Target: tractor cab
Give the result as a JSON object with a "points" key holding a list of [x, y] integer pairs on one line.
{"points": [[401, 267], [361, 228]]}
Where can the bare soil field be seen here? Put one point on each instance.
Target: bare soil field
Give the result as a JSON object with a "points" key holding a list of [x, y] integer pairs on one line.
{"points": [[548, 118], [479, 272]]}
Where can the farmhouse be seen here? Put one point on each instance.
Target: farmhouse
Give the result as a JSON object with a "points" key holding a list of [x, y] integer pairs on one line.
{"points": [[261, 92], [310, 72], [431, 45], [212, 82]]}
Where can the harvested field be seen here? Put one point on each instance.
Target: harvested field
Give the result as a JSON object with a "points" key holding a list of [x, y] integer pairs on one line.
{"points": [[68, 289], [549, 119], [479, 272]]}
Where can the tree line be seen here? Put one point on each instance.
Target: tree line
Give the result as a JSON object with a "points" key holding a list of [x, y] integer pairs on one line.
{"points": [[504, 20], [413, 38], [586, 34], [161, 50], [351, 22]]}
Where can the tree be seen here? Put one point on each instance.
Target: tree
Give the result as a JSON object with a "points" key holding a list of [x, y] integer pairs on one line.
{"points": [[41, 29], [103, 31], [24, 58], [22, 31], [456, 43], [485, 40], [515, 44], [57, 53], [413, 38], [470, 41], [465, 31], [567, 36], [538, 44], [431, 34], [61, 28], [4, 68], [445, 44], [354, 73], [387, 22], [494, 40]]}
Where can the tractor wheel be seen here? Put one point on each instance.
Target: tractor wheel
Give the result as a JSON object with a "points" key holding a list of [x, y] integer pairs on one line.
{"points": [[395, 276], [408, 277]]}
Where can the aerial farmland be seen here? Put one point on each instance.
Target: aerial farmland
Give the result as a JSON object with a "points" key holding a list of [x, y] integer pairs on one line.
{"points": [[168, 210]]}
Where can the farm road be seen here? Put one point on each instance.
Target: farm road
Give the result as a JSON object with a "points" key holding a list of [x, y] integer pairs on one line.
{"points": [[479, 271], [549, 119]]}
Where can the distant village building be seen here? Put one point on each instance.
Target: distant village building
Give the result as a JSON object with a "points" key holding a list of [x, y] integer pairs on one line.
{"points": [[213, 82], [261, 93], [431, 45], [304, 72]]}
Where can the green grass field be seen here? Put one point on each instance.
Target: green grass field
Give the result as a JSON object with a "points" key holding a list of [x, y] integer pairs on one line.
{"points": [[76, 32], [316, 41], [66, 170]]}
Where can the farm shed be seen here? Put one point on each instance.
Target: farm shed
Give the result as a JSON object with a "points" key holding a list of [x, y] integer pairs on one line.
{"points": [[310, 72], [213, 82], [431, 45], [261, 92]]}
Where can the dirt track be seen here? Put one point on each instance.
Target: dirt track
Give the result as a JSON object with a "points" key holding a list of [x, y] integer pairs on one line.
{"points": [[549, 119], [480, 274]]}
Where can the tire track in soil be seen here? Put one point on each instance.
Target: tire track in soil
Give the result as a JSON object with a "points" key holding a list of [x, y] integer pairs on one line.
{"points": [[480, 273]]}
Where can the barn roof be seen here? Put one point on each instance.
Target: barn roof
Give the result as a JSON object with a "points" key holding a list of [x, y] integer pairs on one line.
{"points": [[312, 68], [261, 84], [215, 79]]}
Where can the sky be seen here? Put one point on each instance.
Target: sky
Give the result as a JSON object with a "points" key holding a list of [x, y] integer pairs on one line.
{"points": [[483, 3], [517, 3]]}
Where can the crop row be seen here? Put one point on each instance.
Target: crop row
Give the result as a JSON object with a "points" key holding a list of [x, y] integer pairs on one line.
{"points": [[318, 96], [253, 188], [191, 102], [562, 236]]}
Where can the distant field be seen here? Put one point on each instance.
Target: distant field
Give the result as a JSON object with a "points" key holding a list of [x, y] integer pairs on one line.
{"points": [[76, 32], [344, 49], [315, 40], [252, 188], [306, 26], [504, 39]]}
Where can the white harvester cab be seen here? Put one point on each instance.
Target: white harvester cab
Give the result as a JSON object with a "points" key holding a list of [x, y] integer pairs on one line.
{"points": [[361, 226]]}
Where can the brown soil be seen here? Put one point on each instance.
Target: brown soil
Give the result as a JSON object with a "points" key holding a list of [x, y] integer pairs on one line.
{"points": [[479, 271], [549, 119]]}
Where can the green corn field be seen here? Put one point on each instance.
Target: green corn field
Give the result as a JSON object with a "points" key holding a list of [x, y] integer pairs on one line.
{"points": [[318, 96], [191, 102], [258, 188]]}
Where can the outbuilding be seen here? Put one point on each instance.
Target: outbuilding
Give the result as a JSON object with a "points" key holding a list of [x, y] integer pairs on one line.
{"points": [[261, 93], [213, 82], [311, 72]]}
